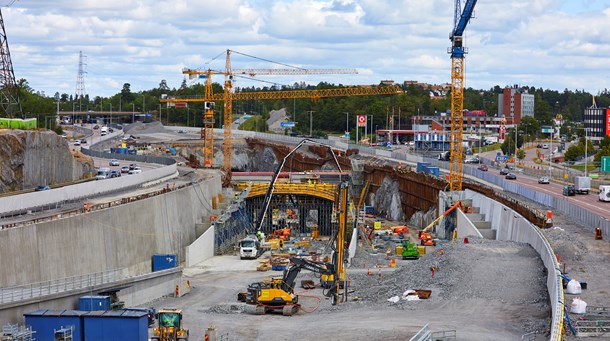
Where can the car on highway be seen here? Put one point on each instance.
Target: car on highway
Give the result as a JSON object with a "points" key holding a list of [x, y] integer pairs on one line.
{"points": [[114, 162], [102, 174], [83, 141], [569, 190], [182, 131], [77, 142], [544, 180], [472, 160], [510, 176], [132, 166], [96, 127], [483, 168], [42, 188], [135, 170], [504, 171], [125, 169], [115, 173]]}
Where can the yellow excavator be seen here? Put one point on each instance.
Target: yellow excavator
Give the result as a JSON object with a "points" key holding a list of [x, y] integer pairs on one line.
{"points": [[170, 326], [278, 294]]}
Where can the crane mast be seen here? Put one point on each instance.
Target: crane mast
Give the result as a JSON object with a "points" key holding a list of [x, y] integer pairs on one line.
{"points": [[457, 51]]}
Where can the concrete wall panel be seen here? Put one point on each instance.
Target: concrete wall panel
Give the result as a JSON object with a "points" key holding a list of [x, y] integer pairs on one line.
{"points": [[124, 236], [201, 249]]}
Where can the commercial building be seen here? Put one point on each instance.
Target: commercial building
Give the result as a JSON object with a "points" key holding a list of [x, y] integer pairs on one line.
{"points": [[597, 123], [515, 103]]}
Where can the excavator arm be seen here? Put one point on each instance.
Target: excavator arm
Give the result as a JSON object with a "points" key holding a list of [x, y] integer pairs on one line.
{"points": [[299, 264]]}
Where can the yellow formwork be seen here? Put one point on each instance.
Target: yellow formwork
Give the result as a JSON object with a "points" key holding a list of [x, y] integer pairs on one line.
{"points": [[325, 191]]}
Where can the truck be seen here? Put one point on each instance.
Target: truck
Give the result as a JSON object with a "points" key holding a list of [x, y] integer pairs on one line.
{"points": [[444, 156], [250, 247], [582, 184], [604, 193]]}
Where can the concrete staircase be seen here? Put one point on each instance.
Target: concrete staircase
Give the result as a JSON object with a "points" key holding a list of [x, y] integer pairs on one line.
{"points": [[478, 220]]}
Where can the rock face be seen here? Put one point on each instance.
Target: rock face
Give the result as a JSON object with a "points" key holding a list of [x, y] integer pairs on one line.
{"points": [[31, 158], [387, 200]]}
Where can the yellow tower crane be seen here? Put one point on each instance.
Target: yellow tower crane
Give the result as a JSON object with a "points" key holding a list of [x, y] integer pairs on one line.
{"points": [[457, 51], [229, 96]]}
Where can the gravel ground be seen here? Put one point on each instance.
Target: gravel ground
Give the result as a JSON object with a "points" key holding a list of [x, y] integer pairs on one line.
{"points": [[485, 290]]}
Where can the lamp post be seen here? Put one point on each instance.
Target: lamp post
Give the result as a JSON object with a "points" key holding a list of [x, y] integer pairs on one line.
{"points": [[346, 126], [586, 143], [310, 122], [73, 103], [133, 113]]}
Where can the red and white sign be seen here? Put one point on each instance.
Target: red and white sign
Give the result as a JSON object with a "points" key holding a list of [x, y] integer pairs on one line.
{"points": [[181, 105], [361, 120], [608, 122]]}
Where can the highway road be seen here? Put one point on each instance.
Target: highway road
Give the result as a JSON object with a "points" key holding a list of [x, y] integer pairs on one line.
{"points": [[555, 188]]}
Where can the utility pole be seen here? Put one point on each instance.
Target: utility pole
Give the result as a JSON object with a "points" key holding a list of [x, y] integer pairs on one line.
{"points": [[310, 122]]}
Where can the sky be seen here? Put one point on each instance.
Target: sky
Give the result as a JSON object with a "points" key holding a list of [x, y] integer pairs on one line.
{"points": [[550, 44]]}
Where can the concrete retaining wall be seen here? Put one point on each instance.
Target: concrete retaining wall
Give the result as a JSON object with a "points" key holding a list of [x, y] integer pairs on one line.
{"points": [[465, 227], [201, 249], [125, 236]]}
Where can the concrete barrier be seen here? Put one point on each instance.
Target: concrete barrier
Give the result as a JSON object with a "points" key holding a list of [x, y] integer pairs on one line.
{"points": [[201, 249]]}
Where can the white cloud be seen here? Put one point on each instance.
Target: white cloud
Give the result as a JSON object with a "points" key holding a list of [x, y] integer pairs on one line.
{"points": [[546, 43]]}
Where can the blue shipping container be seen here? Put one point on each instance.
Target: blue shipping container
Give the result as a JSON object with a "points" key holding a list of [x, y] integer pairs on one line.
{"points": [[421, 166], [433, 170], [91, 303], [45, 322], [115, 325], [163, 262], [369, 210]]}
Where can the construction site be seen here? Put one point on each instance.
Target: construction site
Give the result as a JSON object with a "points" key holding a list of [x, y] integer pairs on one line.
{"points": [[230, 234]]}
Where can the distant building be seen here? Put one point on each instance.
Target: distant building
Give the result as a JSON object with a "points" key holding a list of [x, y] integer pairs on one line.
{"points": [[515, 103], [597, 123]]}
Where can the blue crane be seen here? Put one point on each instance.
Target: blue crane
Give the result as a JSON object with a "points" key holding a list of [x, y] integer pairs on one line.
{"points": [[457, 51]]}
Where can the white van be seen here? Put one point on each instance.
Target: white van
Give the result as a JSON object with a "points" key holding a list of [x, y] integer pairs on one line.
{"points": [[604, 193], [102, 173]]}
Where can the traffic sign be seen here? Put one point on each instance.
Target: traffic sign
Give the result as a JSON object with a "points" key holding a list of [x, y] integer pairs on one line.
{"points": [[361, 120], [287, 124], [605, 166], [502, 158]]}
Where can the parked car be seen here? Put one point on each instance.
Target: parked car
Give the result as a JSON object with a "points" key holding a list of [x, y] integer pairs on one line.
{"points": [[544, 180], [510, 176], [114, 162], [83, 141], [569, 190], [483, 168], [504, 171], [42, 188], [125, 169], [115, 173]]}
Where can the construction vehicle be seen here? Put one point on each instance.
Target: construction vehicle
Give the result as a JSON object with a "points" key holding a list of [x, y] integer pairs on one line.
{"points": [[278, 293], [169, 326], [409, 250], [425, 238], [250, 247], [281, 234]]}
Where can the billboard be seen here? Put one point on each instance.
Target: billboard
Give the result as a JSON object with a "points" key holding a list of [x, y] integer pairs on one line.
{"points": [[607, 121], [361, 120]]}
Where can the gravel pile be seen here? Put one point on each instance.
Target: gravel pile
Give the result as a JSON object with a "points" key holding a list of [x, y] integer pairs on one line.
{"points": [[493, 270]]}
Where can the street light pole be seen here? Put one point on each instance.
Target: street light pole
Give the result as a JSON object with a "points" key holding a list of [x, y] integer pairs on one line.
{"points": [[586, 143], [346, 125], [310, 122], [133, 113]]}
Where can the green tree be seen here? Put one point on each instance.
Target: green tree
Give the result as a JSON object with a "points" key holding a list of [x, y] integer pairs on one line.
{"points": [[520, 154], [126, 95], [574, 152]]}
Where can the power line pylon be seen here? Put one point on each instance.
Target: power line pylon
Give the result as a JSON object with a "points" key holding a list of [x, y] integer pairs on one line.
{"points": [[80, 79], [9, 94]]}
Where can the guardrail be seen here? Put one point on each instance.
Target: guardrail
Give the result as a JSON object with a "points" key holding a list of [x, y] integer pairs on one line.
{"points": [[33, 290]]}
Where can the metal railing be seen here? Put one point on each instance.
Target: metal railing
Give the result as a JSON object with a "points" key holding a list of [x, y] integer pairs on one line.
{"points": [[56, 286]]}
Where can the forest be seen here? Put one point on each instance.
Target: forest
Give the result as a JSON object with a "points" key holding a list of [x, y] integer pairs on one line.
{"points": [[330, 115]]}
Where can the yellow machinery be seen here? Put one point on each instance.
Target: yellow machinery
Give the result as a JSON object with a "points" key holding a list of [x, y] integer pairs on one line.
{"points": [[457, 50], [170, 326], [229, 96], [278, 293]]}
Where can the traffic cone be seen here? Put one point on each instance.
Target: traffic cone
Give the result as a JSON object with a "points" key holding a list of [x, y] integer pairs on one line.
{"points": [[393, 263], [369, 272]]}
